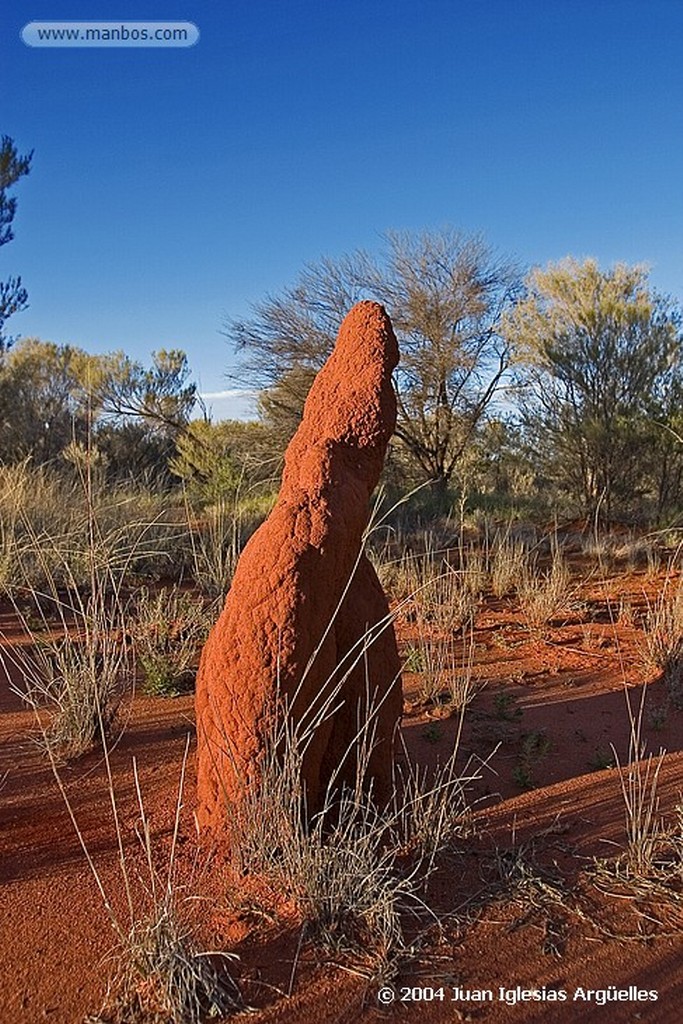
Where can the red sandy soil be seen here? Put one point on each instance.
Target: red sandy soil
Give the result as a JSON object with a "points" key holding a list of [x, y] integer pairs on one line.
{"points": [[568, 684]]}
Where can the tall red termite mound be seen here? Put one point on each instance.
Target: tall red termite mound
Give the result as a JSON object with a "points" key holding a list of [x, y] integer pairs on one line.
{"points": [[306, 612]]}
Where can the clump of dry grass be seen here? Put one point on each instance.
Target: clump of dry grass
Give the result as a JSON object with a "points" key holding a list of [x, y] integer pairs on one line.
{"points": [[663, 639], [543, 595], [649, 857], [509, 564], [46, 526], [162, 977], [356, 869], [215, 544], [78, 660], [644, 830], [445, 667], [79, 680], [446, 602]]}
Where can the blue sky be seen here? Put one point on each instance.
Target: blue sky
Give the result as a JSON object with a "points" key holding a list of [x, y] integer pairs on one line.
{"points": [[173, 187]]}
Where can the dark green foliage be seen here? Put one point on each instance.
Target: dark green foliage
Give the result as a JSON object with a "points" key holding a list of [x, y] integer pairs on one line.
{"points": [[13, 295]]}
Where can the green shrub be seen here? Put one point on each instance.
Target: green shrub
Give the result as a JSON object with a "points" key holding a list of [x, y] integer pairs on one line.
{"points": [[168, 630]]}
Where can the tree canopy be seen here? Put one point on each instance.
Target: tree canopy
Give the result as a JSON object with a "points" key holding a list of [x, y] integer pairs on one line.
{"points": [[13, 295], [51, 395], [445, 292], [599, 357]]}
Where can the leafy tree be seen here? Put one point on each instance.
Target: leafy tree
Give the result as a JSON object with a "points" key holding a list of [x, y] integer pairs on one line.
{"points": [[13, 295], [44, 403], [600, 355], [51, 395], [445, 292], [162, 396], [221, 461]]}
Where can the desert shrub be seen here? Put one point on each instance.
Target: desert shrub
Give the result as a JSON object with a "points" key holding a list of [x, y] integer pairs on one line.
{"points": [[168, 629], [639, 553]]}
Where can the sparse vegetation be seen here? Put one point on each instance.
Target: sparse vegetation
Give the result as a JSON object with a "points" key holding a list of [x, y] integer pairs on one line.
{"points": [[112, 572], [510, 564], [355, 870], [543, 595], [663, 644], [168, 630]]}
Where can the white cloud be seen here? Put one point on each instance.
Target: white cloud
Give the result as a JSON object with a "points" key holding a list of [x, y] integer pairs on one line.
{"points": [[230, 393]]}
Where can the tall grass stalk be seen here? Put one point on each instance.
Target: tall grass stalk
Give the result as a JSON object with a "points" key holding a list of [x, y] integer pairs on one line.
{"points": [[215, 544], [638, 780], [663, 640]]}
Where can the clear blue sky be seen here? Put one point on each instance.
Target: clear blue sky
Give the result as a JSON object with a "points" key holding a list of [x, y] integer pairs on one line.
{"points": [[172, 187]]}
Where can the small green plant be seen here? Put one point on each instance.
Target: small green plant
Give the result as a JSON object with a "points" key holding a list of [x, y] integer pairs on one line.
{"points": [[414, 660], [602, 758], [168, 631], [521, 775], [432, 733], [535, 746], [505, 707], [657, 716]]}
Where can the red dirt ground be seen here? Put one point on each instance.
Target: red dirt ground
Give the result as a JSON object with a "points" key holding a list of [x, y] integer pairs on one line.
{"points": [[567, 685]]}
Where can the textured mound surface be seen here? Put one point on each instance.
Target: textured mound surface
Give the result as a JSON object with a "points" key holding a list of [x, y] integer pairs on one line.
{"points": [[304, 596]]}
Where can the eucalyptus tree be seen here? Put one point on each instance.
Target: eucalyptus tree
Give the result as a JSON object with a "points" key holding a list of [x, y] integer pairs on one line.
{"points": [[599, 363]]}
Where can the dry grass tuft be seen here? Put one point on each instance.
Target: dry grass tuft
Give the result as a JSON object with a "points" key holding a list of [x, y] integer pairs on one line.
{"points": [[509, 565], [542, 596], [663, 641], [355, 870]]}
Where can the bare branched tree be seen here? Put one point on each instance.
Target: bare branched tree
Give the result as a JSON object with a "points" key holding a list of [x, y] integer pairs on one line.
{"points": [[445, 292]]}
